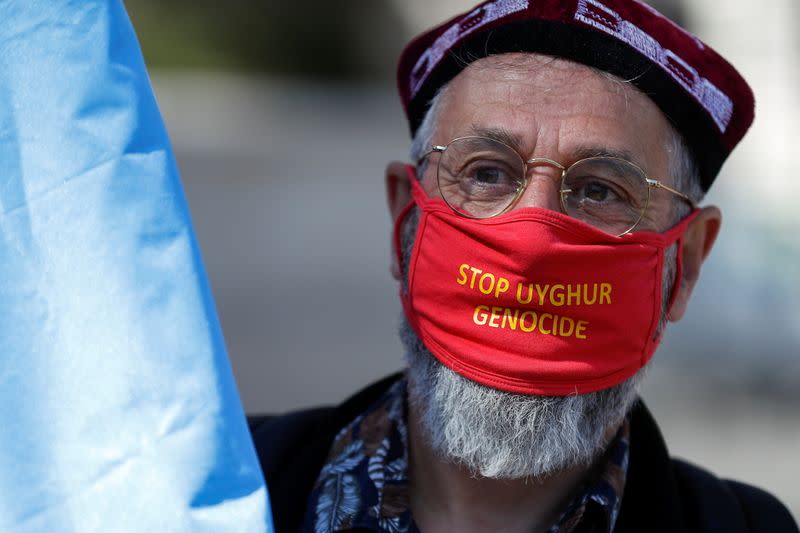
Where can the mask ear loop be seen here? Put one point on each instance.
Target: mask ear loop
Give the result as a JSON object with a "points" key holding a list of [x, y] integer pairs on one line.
{"points": [[398, 247], [678, 280]]}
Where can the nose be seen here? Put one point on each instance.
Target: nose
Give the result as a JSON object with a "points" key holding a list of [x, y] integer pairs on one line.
{"points": [[543, 184]]}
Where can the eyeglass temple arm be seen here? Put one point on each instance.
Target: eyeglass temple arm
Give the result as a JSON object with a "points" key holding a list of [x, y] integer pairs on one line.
{"points": [[658, 185], [434, 148]]}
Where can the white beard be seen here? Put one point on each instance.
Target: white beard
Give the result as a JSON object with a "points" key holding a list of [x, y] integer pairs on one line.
{"points": [[496, 434]]}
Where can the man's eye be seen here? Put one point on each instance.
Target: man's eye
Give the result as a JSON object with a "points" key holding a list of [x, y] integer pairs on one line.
{"points": [[598, 191], [489, 174]]}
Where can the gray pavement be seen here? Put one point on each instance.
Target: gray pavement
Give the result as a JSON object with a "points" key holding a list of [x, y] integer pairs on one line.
{"points": [[284, 181]]}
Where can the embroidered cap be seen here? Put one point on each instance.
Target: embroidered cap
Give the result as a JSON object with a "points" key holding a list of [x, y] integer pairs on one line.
{"points": [[706, 99]]}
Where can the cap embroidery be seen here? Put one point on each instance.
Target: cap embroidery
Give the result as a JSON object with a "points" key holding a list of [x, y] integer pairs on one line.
{"points": [[593, 13], [474, 20]]}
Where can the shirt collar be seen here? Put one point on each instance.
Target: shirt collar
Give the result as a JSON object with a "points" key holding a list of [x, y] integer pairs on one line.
{"points": [[364, 483], [597, 506]]}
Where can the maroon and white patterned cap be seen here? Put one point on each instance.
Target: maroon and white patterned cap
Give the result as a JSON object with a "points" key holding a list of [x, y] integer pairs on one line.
{"points": [[706, 99]]}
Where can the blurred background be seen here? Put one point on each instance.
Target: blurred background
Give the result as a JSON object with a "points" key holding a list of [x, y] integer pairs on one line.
{"points": [[283, 117]]}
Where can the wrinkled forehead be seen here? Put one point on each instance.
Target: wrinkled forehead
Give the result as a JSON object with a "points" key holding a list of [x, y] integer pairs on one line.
{"points": [[529, 62], [532, 84], [543, 73], [552, 107]]}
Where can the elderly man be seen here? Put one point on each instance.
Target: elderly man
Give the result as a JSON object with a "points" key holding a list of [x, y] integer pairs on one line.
{"points": [[546, 233]]}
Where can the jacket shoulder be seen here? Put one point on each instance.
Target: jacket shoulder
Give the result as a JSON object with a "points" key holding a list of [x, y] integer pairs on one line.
{"points": [[759, 504], [713, 502], [292, 449], [279, 438], [276, 437], [667, 495]]}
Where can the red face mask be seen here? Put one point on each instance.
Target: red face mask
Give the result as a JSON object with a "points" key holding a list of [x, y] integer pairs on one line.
{"points": [[533, 301]]}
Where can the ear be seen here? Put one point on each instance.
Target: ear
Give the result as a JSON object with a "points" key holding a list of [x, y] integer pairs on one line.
{"points": [[697, 243], [398, 194]]}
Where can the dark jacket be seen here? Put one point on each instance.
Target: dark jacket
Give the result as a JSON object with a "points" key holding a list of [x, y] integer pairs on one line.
{"points": [[662, 495]]}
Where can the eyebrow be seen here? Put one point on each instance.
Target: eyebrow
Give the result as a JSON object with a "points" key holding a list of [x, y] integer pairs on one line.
{"points": [[582, 152], [497, 134]]}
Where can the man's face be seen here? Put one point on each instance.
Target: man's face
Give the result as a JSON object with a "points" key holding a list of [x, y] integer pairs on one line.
{"points": [[562, 111], [559, 110]]}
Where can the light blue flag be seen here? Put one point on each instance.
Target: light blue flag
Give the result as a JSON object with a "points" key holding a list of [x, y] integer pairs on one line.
{"points": [[118, 409]]}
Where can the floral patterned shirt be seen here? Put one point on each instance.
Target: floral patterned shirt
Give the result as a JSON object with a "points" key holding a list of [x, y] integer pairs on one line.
{"points": [[364, 484]]}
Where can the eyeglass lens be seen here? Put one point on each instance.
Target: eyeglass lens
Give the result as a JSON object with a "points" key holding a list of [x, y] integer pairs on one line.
{"points": [[480, 178]]}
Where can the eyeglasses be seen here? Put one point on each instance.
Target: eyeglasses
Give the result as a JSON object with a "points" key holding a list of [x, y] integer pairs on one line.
{"points": [[479, 177]]}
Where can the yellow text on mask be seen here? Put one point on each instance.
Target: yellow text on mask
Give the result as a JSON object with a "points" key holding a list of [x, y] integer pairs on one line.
{"points": [[556, 295], [529, 321], [486, 282]]}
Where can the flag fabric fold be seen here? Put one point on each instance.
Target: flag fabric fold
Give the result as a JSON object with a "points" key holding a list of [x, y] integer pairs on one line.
{"points": [[120, 411]]}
